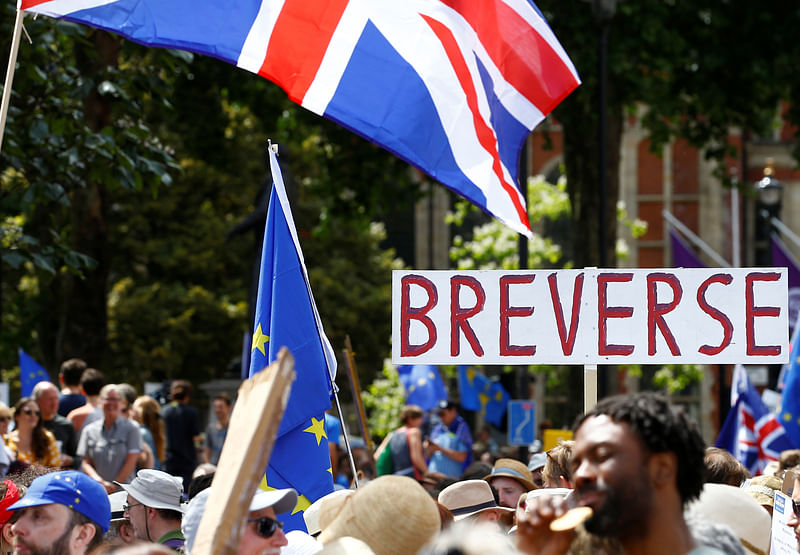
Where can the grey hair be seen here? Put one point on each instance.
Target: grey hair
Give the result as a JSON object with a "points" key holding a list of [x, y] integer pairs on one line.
{"points": [[469, 539], [712, 534]]}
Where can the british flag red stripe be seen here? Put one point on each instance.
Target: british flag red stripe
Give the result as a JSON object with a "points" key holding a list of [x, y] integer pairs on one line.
{"points": [[453, 87]]}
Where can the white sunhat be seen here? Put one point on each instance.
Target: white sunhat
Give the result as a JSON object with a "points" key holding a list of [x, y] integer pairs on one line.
{"points": [[283, 501], [156, 489]]}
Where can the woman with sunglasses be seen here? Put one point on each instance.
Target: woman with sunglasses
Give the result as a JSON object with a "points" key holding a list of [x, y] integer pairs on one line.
{"points": [[30, 442]]}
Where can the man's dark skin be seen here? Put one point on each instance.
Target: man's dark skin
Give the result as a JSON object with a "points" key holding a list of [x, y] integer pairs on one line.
{"points": [[632, 491]]}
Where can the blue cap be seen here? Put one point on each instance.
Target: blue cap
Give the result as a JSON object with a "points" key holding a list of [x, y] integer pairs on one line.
{"points": [[72, 489]]}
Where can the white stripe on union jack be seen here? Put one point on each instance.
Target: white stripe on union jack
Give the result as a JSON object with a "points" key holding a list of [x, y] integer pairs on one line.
{"points": [[452, 86]]}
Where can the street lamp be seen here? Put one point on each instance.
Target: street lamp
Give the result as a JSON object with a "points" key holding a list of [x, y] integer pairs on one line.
{"points": [[769, 197], [603, 11]]}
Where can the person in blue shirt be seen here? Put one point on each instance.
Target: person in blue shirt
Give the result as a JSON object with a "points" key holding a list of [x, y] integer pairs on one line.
{"points": [[450, 443]]}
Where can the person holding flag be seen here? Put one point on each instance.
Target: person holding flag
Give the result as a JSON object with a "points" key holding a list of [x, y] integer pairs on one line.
{"points": [[286, 316]]}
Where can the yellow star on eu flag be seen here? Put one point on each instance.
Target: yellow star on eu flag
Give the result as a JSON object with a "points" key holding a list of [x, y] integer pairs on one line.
{"points": [[318, 429], [302, 501], [259, 339]]}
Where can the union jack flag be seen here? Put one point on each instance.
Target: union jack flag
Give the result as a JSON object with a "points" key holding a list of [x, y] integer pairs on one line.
{"points": [[751, 432], [451, 86]]}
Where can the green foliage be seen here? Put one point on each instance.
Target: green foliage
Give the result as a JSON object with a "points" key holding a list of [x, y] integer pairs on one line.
{"points": [[673, 378], [494, 245], [383, 401], [168, 330]]}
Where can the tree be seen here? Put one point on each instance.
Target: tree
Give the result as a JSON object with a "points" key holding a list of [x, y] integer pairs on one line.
{"points": [[700, 68], [74, 136]]}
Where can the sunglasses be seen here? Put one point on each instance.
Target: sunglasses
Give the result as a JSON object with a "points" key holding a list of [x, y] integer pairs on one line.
{"points": [[127, 508], [30, 412], [4, 418], [266, 526], [796, 508]]}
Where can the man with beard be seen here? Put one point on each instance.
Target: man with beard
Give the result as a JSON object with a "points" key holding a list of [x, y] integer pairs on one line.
{"points": [[61, 513], [636, 462]]}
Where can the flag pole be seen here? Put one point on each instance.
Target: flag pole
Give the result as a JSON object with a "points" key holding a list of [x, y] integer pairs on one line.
{"points": [[12, 62], [352, 372]]}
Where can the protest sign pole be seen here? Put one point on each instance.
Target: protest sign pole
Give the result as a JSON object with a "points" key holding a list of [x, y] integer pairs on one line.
{"points": [[252, 431], [12, 62], [589, 387]]}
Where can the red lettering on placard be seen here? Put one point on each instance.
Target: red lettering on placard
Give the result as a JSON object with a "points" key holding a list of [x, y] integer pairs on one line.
{"points": [[752, 312], [459, 315], [716, 314], [656, 311], [507, 312], [567, 339], [408, 313], [604, 312]]}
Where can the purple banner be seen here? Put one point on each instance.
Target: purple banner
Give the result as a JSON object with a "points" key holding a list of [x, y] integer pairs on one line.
{"points": [[782, 257], [682, 254]]}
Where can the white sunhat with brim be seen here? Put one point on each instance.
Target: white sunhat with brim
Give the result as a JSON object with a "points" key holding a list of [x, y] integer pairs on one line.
{"points": [[117, 501], [468, 498], [156, 489], [300, 543], [283, 501]]}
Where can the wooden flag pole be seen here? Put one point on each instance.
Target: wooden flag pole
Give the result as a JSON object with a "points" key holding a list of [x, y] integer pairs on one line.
{"points": [[252, 430], [355, 384], [12, 62]]}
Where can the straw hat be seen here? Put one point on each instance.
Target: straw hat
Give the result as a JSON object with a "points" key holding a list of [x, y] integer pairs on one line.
{"points": [[469, 498], [312, 514], [732, 506], [393, 515], [762, 489], [511, 468]]}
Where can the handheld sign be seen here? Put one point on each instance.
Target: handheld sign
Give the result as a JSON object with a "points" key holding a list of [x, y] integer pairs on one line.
{"points": [[251, 435], [596, 316], [521, 422]]}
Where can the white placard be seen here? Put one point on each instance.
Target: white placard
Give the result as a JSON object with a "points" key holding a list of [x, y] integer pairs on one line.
{"points": [[615, 316], [4, 395], [783, 541]]}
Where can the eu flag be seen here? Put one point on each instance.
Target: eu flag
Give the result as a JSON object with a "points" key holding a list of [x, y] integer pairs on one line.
{"points": [[790, 404], [286, 315], [30, 373], [479, 393], [471, 384], [496, 404], [423, 385]]}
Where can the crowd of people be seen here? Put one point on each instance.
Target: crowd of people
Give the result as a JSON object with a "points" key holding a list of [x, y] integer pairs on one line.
{"points": [[122, 474]]}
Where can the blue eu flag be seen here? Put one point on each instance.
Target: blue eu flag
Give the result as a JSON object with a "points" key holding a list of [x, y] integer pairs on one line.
{"points": [[30, 373], [471, 385], [287, 316], [790, 404], [479, 393], [423, 385], [496, 404]]}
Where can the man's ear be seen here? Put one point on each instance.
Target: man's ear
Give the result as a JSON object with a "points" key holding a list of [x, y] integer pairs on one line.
{"points": [[663, 468], [8, 534], [83, 534]]}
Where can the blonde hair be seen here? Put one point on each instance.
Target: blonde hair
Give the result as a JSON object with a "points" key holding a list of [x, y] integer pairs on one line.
{"points": [[150, 414]]}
